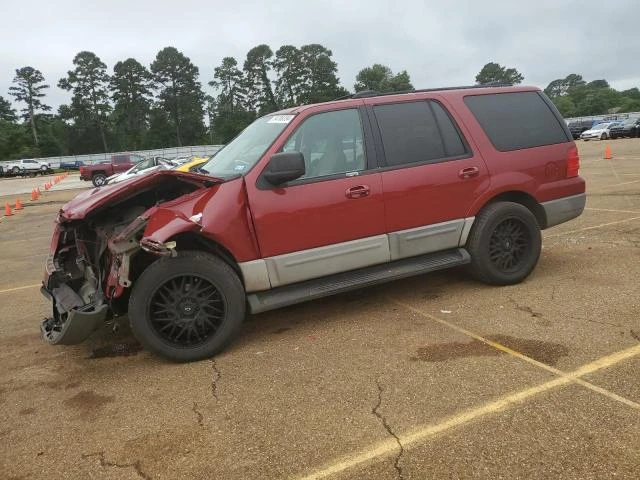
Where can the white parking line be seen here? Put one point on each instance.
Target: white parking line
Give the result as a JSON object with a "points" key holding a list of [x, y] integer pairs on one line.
{"points": [[14, 289], [591, 228]]}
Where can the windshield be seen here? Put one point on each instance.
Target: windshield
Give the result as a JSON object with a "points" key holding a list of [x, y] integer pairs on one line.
{"points": [[242, 153], [600, 126], [631, 121]]}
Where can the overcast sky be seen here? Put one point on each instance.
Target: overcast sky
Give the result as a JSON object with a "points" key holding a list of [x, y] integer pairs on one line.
{"points": [[438, 42]]}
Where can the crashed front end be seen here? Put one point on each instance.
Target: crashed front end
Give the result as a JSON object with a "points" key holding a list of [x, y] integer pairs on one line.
{"points": [[97, 238]]}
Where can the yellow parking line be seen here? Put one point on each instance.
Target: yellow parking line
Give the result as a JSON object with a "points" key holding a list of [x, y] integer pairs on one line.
{"points": [[514, 353], [591, 228], [7, 290], [389, 447]]}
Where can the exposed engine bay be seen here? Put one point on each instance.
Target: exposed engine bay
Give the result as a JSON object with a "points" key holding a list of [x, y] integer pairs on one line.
{"points": [[90, 269]]}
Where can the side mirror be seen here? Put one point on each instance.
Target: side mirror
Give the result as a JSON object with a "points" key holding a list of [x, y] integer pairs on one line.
{"points": [[284, 167]]}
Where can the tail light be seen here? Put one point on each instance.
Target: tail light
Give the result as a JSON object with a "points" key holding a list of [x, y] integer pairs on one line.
{"points": [[573, 162]]}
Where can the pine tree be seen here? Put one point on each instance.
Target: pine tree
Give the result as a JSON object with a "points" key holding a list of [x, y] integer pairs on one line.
{"points": [[89, 83], [29, 89], [7, 113], [180, 95], [260, 97], [290, 71], [131, 85]]}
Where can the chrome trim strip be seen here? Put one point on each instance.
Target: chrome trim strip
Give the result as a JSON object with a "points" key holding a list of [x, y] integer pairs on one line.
{"points": [[255, 275], [321, 261], [468, 223], [422, 240]]}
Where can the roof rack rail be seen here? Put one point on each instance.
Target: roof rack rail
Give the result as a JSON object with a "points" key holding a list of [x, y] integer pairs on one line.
{"points": [[372, 93], [365, 94]]}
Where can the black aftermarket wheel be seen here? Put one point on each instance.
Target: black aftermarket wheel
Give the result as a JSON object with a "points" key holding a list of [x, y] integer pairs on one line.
{"points": [[504, 244], [187, 308]]}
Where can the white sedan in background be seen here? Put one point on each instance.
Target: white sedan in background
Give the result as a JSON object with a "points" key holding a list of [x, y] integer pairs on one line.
{"points": [[598, 132], [143, 167]]}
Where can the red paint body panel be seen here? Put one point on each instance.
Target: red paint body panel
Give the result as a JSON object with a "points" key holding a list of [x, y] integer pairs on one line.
{"points": [[90, 200], [224, 219], [426, 194], [518, 170], [316, 214]]}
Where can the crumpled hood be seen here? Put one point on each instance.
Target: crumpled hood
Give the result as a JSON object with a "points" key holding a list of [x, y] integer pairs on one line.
{"points": [[86, 202]]}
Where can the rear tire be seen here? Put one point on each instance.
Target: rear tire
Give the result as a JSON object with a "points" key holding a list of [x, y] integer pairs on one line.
{"points": [[187, 308], [603, 136], [98, 179], [504, 244]]}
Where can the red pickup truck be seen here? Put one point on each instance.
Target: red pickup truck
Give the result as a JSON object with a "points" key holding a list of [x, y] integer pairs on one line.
{"points": [[99, 172], [313, 201]]}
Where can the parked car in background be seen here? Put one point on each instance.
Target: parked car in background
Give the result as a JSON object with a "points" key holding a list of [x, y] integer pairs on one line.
{"points": [[72, 165], [578, 126], [601, 131], [99, 172], [23, 167], [192, 165], [143, 167], [630, 128], [312, 201]]}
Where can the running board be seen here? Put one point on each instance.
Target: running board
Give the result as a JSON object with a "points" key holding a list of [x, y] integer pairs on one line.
{"points": [[363, 277]]}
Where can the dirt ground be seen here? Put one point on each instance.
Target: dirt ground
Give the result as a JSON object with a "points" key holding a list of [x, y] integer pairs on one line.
{"points": [[435, 376]]}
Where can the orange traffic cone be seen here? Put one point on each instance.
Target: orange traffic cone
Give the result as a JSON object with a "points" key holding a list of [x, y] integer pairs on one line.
{"points": [[18, 204], [607, 153], [7, 210], [34, 195]]}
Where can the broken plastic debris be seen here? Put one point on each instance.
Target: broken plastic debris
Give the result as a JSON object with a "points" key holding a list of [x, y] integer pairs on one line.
{"points": [[445, 311]]}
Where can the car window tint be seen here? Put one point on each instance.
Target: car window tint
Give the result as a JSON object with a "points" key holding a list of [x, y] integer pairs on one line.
{"points": [[514, 121], [331, 143], [453, 143], [409, 133]]}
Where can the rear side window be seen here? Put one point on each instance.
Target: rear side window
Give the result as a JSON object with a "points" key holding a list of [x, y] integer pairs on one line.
{"points": [[514, 121], [417, 132]]}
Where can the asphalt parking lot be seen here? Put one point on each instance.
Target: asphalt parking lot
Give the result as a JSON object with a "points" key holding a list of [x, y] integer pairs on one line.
{"points": [[431, 377], [12, 187]]}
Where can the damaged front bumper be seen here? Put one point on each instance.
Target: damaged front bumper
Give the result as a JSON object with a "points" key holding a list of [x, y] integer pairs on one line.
{"points": [[79, 286], [74, 326]]}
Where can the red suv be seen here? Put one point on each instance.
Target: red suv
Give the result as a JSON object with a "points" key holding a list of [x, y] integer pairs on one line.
{"points": [[312, 201]]}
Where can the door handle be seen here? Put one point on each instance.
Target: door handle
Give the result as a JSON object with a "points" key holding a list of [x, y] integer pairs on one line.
{"points": [[357, 191], [469, 172]]}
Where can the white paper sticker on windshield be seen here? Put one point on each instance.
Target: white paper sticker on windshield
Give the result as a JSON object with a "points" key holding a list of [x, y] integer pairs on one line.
{"points": [[281, 119]]}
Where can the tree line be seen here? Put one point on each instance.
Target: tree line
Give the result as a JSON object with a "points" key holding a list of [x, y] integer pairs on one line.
{"points": [[572, 95], [164, 105]]}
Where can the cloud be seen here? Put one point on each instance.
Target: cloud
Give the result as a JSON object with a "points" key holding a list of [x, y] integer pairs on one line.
{"points": [[438, 43]]}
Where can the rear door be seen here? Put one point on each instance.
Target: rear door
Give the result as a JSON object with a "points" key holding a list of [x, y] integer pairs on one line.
{"points": [[430, 175]]}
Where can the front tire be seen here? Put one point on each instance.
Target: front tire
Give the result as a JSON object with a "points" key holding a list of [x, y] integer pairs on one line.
{"points": [[504, 244], [603, 136], [187, 308], [98, 179]]}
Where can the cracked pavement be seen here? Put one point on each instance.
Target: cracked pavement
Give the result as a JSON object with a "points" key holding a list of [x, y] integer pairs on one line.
{"points": [[307, 389], [376, 411]]}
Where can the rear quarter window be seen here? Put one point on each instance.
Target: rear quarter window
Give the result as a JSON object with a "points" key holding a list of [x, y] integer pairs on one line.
{"points": [[514, 121]]}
